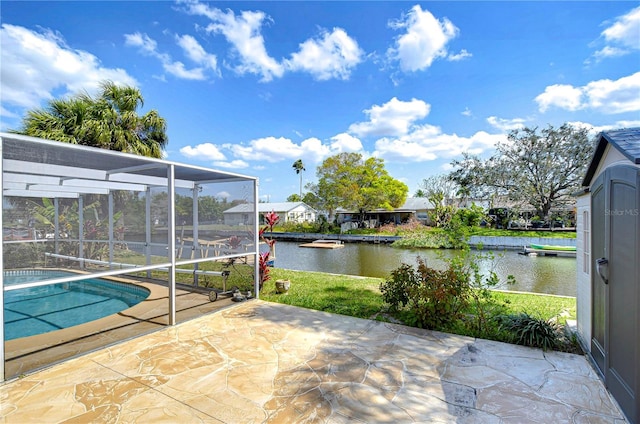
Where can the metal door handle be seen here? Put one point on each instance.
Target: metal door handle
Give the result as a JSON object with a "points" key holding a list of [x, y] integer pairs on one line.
{"points": [[599, 268]]}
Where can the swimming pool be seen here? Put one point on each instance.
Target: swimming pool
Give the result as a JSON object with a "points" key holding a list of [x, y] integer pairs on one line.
{"points": [[39, 310]]}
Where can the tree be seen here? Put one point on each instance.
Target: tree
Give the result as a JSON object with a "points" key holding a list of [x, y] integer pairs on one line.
{"points": [[294, 198], [538, 168], [439, 186], [346, 180], [299, 167], [441, 192], [109, 121]]}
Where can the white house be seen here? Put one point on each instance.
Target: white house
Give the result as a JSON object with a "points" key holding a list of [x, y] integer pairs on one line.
{"points": [[297, 212], [608, 265]]}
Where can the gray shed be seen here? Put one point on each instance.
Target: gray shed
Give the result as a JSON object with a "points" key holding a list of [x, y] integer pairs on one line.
{"points": [[608, 261]]}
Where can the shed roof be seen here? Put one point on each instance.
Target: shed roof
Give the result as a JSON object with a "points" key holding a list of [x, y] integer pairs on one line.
{"points": [[411, 204], [627, 141]]}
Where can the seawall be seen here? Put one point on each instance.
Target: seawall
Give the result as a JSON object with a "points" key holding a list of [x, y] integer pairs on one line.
{"points": [[493, 242], [487, 242]]}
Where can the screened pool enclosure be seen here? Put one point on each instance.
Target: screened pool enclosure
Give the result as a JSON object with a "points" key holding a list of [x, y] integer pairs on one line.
{"points": [[78, 214]]}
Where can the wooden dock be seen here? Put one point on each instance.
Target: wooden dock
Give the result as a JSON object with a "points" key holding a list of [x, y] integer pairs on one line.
{"points": [[324, 244]]}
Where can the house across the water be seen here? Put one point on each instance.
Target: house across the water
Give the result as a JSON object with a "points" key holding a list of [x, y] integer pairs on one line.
{"points": [[296, 212]]}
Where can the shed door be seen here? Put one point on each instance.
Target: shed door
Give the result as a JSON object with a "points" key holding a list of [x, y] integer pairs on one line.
{"points": [[616, 309]]}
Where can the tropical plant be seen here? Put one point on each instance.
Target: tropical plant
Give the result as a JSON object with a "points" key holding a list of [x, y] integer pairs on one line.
{"points": [[298, 166], [109, 121], [270, 219], [532, 331], [94, 230]]}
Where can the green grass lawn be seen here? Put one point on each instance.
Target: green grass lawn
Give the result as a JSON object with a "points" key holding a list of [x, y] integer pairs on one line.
{"points": [[354, 296], [360, 296]]}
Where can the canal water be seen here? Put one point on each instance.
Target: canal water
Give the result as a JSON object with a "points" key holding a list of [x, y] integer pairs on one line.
{"points": [[537, 274]]}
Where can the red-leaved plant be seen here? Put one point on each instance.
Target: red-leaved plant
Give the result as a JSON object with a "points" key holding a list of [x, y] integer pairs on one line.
{"points": [[234, 242], [271, 219]]}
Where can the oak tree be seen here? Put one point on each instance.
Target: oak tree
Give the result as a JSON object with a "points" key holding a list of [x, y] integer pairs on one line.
{"points": [[539, 168]]}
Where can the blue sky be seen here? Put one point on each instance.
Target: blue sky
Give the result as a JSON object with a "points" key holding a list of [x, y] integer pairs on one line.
{"points": [[250, 87]]}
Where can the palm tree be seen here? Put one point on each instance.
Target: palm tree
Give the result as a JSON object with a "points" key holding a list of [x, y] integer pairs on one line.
{"points": [[299, 167], [109, 121]]}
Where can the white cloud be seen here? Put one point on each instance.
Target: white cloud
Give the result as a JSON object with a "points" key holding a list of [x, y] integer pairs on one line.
{"points": [[621, 37], [332, 55], [559, 95], [607, 52], [278, 149], [393, 118], [345, 143], [596, 129], [192, 49], [34, 64], [234, 164], [428, 143], [605, 96], [177, 69], [619, 96], [466, 112], [223, 195], [243, 32], [463, 54], [196, 52], [425, 40], [206, 151], [146, 44], [272, 149], [625, 30], [506, 125]]}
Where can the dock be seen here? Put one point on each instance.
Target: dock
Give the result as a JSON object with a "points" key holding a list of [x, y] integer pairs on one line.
{"points": [[324, 244]]}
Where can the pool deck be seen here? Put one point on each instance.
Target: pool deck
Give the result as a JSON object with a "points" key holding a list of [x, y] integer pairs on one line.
{"points": [[29, 353], [264, 362]]}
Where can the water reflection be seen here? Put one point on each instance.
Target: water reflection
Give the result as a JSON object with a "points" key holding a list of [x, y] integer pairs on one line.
{"points": [[550, 275]]}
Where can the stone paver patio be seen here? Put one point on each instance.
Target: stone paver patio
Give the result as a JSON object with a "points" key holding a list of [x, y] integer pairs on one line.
{"points": [[265, 362]]}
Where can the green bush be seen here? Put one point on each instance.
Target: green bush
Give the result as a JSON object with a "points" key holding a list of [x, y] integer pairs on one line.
{"points": [[434, 238], [429, 298], [395, 291], [471, 216], [531, 331], [23, 255]]}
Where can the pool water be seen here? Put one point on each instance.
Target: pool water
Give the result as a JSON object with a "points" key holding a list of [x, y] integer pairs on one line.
{"points": [[39, 310]]}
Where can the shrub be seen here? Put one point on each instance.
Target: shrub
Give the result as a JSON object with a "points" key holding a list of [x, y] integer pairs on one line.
{"points": [[471, 216], [395, 291], [434, 238], [320, 226], [531, 331], [430, 298]]}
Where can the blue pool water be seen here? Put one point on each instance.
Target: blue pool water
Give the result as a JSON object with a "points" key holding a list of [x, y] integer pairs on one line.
{"points": [[38, 310]]}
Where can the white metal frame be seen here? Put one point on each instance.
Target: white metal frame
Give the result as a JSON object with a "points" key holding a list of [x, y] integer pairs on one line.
{"points": [[25, 171]]}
